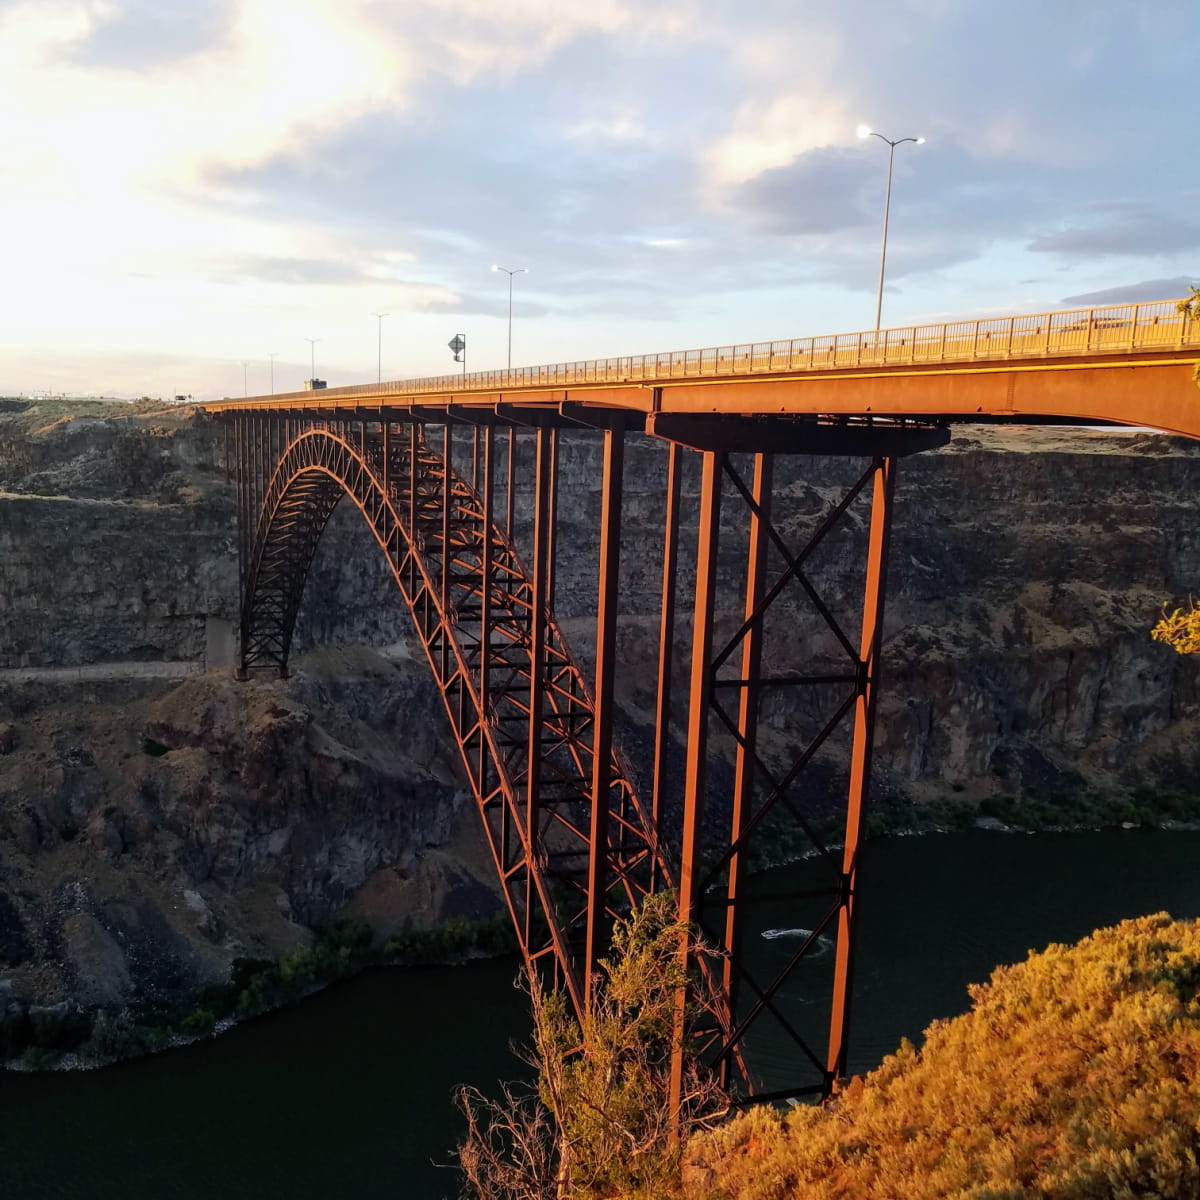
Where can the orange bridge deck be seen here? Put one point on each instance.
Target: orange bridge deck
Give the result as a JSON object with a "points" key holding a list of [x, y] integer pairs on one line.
{"points": [[1130, 365]]}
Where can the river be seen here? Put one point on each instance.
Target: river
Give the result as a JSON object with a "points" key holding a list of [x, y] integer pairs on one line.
{"points": [[348, 1095]]}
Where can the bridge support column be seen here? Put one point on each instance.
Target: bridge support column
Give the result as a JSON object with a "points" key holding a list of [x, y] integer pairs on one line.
{"points": [[822, 692], [870, 647], [542, 514], [691, 850], [746, 735], [598, 921], [666, 646]]}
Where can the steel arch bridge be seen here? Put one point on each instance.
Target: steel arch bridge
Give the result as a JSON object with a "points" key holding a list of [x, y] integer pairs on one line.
{"points": [[436, 466]]}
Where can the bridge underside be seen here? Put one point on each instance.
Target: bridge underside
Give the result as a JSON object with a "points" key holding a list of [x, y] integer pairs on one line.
{"points": [[463, 503]]}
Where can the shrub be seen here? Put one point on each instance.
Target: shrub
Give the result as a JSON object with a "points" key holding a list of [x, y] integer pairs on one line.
{"points": [[198, 1022], [41, 1058], [452, 942], [118, 1036], [600, 1123], [1075, 1076]]}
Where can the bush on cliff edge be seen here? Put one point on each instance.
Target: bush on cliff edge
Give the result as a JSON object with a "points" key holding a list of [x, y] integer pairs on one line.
{"points": [[1076, 1075], [598, 1124]]}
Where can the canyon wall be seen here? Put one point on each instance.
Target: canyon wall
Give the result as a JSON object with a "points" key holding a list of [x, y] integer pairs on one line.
{"points": [[158, 821]]}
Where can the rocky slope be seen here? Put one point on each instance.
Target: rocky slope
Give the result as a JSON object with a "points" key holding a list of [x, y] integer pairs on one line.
{"points": [[154, 830], [158, 821]]}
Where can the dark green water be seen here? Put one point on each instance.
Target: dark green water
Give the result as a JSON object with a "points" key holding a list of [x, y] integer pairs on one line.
{"points": [[348, 1095]]}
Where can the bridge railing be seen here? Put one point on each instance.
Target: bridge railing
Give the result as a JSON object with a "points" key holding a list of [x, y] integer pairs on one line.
{"points": [[1158, 325]]}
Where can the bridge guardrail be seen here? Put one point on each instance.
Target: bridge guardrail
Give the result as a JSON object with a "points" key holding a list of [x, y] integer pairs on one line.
{"points": [[1157, 325]]}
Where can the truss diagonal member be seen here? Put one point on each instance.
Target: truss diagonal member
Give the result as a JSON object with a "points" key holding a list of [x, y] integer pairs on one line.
{"points": [[779, 792], [606, 639], [338, 461], [765, 995], [474, 610], [793, 566]]}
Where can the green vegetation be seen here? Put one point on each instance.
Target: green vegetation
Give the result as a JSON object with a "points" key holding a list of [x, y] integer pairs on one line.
{"points": [[1075, 1076], [453, 941], [1191, 306], [1083, 809], [255, 986], [1079, 808]]}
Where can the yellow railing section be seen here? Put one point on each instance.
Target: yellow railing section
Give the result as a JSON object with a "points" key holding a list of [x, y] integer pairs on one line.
{"points": [[1159, 325]]}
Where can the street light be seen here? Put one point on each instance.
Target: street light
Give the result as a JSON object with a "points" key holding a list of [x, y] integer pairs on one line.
{"points": [[312, 358], [379, 359], [245, 385], [865, 131], [510, 274], [273, 357]]}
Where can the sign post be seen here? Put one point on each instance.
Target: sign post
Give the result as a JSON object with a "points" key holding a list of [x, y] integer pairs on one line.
{"points": [[458, 343]]}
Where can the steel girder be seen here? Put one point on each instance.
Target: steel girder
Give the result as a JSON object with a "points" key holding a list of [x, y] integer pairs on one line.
{"points": [[536, 741], [571, 843], [728, 687]]}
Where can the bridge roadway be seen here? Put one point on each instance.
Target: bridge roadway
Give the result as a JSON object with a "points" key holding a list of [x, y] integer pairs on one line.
{"points": [[1130, 365], [573, 840]]}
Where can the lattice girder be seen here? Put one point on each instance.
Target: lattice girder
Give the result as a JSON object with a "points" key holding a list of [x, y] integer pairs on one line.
{"points": [[432, 528]]}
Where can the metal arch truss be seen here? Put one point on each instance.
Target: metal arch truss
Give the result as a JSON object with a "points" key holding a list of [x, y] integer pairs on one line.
{"points": [[527, 725], [572, 844]]}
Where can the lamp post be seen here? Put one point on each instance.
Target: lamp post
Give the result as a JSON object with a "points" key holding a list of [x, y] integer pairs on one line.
{"points": [[245, 384], [312, 358], [510, 274], [379, 352], [273, 357], [865, 131]]}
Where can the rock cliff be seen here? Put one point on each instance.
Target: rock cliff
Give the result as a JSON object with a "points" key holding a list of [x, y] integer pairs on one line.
{"points": [[158, 821]]}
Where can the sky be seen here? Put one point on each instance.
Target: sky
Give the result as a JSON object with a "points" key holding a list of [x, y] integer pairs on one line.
{"points": [[195, 186]]}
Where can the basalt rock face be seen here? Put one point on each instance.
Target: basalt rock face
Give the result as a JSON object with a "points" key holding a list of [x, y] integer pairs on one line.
{"points": [[150, 835], [152, 830], [1023, 587], [1026, 568]]}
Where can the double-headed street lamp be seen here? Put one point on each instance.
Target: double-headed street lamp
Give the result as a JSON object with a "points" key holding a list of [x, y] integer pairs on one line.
{"points": [[510, 274], [865, 131]]}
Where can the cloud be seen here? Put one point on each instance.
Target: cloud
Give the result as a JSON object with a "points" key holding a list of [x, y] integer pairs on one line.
{"points": [[209, 173], [1134, 293], [768, 134], [144, 34], [821, 192], [348, 274], [1130, 228], [293, 270]]}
